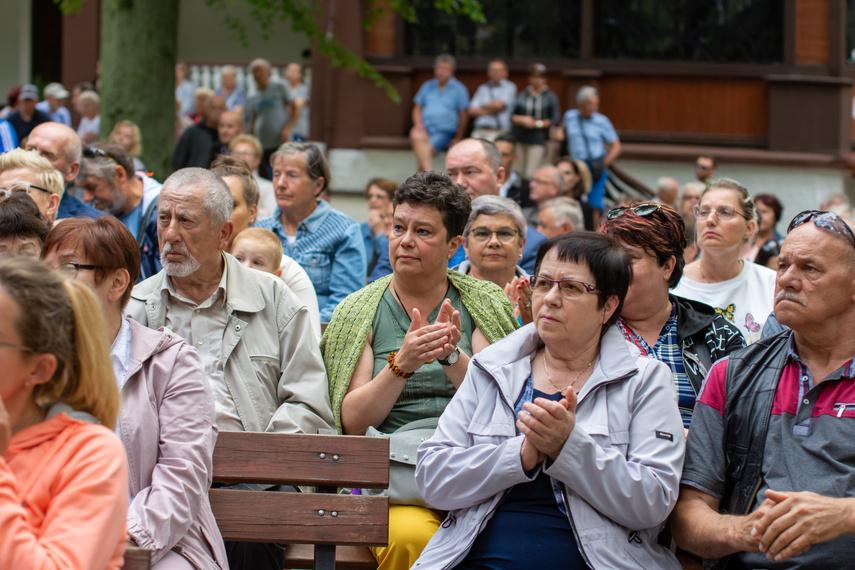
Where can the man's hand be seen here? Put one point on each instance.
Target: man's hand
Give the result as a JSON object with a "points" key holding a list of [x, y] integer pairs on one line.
{"points": [[794, 521]]}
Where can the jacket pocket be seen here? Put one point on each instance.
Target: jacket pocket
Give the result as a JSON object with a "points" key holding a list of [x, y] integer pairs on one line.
{"points": [[318, 266]]}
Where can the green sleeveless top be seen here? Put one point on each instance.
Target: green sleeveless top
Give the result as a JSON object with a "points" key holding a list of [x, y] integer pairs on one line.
{"points": [[428, 391]]}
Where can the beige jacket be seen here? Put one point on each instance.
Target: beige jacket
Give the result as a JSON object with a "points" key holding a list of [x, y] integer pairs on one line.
{"points": [[273, 366]]}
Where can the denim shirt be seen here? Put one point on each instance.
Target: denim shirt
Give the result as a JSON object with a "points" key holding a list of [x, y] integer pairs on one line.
{"points": [[329, 247]]}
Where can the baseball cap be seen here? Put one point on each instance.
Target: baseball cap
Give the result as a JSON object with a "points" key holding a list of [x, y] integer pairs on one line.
{"points": [[56, 90], [29, 91]]}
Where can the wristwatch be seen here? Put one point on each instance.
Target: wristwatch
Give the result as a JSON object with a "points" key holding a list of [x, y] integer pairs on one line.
{"points": [[452, 358], [538, 123]]}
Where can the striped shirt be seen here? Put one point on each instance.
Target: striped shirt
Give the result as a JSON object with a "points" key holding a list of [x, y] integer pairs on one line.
{"points": [[667, 350]]}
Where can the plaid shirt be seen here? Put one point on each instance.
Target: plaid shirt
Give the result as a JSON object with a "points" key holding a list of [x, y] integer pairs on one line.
{"points": [[667, 350]]}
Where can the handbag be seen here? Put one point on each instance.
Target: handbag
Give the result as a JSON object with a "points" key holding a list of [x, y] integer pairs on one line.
{"points": [[403, 444]]}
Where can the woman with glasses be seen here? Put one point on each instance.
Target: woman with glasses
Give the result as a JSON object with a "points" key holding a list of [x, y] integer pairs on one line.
{"points": [[397, 350], [563, 447], [493, 239], [23, 229], [742, 292], [166, 421], [63, 473], [686, 335], [26, 172]]}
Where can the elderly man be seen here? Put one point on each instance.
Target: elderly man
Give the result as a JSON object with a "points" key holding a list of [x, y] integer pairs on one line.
{"points": [[230, 126], [254, 336], [298, 99], [25, 171], [769, 464], [667, 190], [89, 107], [546, 184], [234, 95], [54, 103], [439, 113], [110, 184], [592, 138], [269, 111], [61, 146], [27, 116], [476, 165], [560, 215], [493, 103], [690, 198], [705, 169], [200, 143], [515, 186]]}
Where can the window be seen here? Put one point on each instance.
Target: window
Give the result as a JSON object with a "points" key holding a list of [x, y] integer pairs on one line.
{"points": [[732, 31], [513, 28]]}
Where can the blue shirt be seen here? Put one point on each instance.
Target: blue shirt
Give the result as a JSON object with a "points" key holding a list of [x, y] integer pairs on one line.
{"points": [[8, 136], [132, 220], [73, 207], [329, 247], [504, 91], [61, 115], [441, 107], [598, 131]]}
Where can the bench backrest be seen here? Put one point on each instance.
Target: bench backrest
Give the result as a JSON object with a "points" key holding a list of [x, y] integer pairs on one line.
{"points": [[325, 461]]}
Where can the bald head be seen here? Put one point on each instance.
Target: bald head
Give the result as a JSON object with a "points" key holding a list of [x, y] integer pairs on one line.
{"points": [[231, 125], [546, 184], [476, 165], [60, 145], [215, 106]]}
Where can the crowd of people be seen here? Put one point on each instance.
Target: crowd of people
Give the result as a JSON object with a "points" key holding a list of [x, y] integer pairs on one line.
{"points": [[639, 385]]}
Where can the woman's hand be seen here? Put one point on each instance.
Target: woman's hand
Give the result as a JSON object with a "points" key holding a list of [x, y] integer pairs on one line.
{"points": [[451, 320], [548, 424], [519, 294], [422, 343], [377, 222], [5, 428], [529, 455]]}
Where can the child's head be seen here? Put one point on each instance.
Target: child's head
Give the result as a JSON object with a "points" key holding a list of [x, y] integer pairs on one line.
{"points": [[259, 249]]}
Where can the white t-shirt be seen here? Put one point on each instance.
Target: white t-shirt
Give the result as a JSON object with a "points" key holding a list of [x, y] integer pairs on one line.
{"points": [[746, 300], [296, 278], [266, 197]]}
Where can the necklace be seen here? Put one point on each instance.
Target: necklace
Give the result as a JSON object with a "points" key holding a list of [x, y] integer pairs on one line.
{"points": [[570, 385], [703, 277]]}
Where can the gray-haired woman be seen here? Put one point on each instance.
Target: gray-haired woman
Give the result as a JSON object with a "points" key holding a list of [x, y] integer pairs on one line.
{"points": [[494, 239]]}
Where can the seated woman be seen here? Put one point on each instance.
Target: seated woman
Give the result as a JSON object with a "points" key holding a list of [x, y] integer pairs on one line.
{"points": [[743, 292], [494, 239], [379, 193], [23, 229], [563, 447], [127, 134], [686, 335], [766, 245], [577, 184], [397, 350], [26, 172], [166, 421], [63, 477]]}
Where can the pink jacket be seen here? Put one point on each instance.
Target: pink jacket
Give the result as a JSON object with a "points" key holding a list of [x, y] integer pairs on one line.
{"points": [[169, 431], [63, 495]]}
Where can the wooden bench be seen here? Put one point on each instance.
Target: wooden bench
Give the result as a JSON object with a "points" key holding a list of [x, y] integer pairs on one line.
{"points": [[324, 530], [137, 558]]}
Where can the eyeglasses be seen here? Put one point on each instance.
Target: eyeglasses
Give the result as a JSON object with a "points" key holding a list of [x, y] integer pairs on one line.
{"points": [[640, 210], [95, 152], [18, 188], [20, 347], [244, 154], [825, 220], [724, 213], [569, 288], [70, 269], [703, 166], [504, 235]]}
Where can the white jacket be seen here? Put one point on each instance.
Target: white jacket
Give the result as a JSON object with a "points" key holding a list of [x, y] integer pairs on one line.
{"points": [[620, 466]]}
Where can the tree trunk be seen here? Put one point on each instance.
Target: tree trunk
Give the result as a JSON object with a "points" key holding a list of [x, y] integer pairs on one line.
{"points": [[139, 42]]}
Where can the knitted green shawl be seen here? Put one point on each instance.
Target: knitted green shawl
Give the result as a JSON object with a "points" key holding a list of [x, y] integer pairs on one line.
{"points": [[344, 339]]}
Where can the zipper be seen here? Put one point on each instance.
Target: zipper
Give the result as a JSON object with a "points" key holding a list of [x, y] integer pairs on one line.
{"points": [[573, 527], [753, 495]]}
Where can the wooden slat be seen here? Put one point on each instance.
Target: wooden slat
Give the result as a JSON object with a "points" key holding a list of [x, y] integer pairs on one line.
{"points": [[261, 516], [137, 558], [289, 459], [346, 557]]}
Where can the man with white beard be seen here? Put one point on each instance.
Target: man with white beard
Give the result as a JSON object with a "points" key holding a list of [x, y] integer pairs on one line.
{"points": [[252, 333]]}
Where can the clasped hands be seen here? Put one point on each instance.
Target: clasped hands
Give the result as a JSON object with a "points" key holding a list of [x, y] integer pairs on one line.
{"points": [[546, 425], [425, 342], [788, 523]]}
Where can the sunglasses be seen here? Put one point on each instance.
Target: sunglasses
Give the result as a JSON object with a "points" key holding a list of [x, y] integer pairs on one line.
{"points": [[95, 152], [825, 220], [640, 210]]}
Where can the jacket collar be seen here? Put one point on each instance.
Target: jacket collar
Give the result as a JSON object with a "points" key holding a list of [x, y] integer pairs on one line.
{"points": [[692, 317], [313, 222]]}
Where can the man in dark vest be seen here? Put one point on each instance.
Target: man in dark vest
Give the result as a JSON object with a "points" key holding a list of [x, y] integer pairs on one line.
{"points": [[769, 478]]}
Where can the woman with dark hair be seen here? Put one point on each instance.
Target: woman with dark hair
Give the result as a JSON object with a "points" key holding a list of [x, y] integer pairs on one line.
{"points": [[686, 335], [379, 193], [23, 229], [577, 184], [397, 350], [166, 422], [563, 447], [63, 477], [764, 248]]}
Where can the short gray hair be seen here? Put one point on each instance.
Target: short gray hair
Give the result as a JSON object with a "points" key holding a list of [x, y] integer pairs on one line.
{"points": [[566, 209], [557, 178], [446, 58], [496, 206], [316, 163], [218, 198], [586, 92], [228, 69]]}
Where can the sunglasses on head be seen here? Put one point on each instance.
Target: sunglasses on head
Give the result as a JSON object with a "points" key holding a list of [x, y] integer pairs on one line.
{"points": [[825, 220], [640, 210], [95, 152]]}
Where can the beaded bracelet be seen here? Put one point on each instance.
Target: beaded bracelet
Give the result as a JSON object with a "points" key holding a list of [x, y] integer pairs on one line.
{"points": [[395, 370]]}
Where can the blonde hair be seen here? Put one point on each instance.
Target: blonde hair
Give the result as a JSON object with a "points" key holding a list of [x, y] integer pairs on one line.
{"points": [[64, 319], [136, 146], [266, 239], [248, 139], [49, 177]]}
